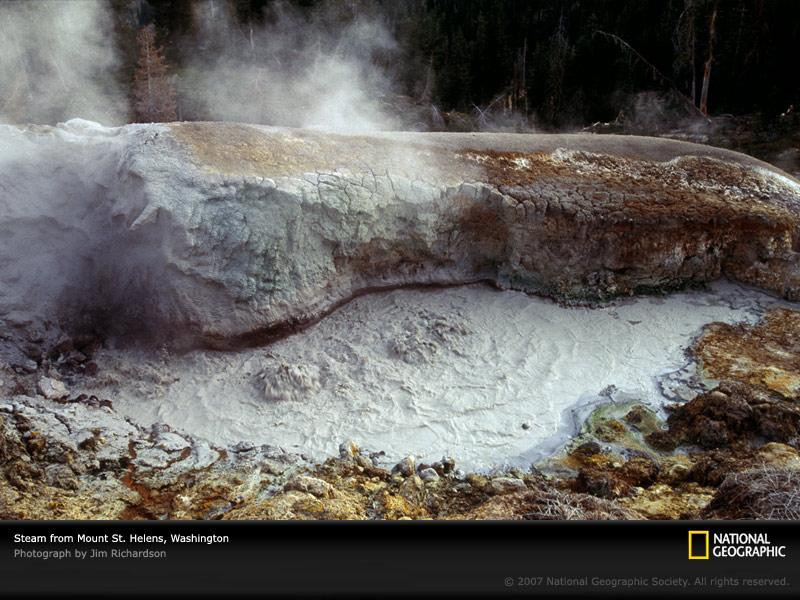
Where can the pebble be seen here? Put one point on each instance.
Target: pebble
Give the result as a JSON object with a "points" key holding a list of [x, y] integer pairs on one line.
{"points": [[445, 466], [243, 447], [25, 365], [413, 489], [365, 462], [172, 442], [406, 467], [348, 449], [428, 474], [204, 454], [61, 476], [152, 458], [678, 472], [311, 485], [51, 388], [505, 485]]}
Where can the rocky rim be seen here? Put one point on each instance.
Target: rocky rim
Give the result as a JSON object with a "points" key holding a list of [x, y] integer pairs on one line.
{"points": [[729, 453]]}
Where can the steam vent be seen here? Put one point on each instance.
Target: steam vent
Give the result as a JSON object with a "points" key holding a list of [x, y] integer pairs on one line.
{"points": [[217, 320]]}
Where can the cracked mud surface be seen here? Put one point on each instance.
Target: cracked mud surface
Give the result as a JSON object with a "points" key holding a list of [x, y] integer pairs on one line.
{"points": [[224, 235]]}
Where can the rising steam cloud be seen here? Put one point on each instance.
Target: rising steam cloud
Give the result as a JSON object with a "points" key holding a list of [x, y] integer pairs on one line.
{"points": [[57, 61], [63, 248], [315, 71]]}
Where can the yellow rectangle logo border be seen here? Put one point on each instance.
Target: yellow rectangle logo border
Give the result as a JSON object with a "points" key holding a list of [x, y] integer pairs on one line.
{"points": [[703, 556]]}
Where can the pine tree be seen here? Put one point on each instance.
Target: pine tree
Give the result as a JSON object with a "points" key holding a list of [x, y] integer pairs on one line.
{"points": [[154, 95]]}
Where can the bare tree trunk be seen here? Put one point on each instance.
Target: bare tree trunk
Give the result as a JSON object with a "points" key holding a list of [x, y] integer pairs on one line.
{"points": [[692, 54], [656, 73], [707, 71], [430, 77], [524, 69]]}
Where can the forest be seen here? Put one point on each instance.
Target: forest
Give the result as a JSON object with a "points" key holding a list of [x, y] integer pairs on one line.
{"points": [[558, 62], [425, 64]]}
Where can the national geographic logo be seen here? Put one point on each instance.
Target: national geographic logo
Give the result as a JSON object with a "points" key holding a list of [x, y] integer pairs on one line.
{"points": [[703, 545]]}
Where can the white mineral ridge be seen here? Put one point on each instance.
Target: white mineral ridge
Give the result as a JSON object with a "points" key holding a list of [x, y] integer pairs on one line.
{"points": [[476, 363], [205, 233]]}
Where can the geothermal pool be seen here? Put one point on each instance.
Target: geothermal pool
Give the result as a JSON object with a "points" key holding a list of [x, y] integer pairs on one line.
{"points": [[491, 378]]}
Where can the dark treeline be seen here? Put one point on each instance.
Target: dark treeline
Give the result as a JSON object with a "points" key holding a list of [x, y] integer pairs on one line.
{"points": [[557, 63], [584, 58]]}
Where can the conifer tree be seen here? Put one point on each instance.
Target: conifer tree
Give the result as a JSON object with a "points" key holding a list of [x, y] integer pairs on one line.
{"points": [[154, 95]]}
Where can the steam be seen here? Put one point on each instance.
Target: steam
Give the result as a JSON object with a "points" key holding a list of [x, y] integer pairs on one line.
{"points": [[56, 62], [314, 72]]}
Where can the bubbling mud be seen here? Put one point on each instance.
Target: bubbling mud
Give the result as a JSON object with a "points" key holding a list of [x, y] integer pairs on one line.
{"points": [[492, 378]]}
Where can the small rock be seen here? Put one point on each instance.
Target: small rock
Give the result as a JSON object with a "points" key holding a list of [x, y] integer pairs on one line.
{"points": [[506, 485], [24, 365], [310, 485], [609, 430], [445, 466], [600, 484], [365, 462], [413, 489], [272, 467], [78, 357], [152, 458], [635, 415], [677, 472], [217, 512], [428, 474], [348, 449], [710, 433], [661, 440], [779, 455], [51, 388], [61, 476], [641, 418], [641, 471], [204, 454], [171, 442], [588, 449], [405, 467], [240, 447]]}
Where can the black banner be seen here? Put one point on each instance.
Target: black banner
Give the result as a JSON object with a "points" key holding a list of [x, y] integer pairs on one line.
{"points": [[400, 558]]}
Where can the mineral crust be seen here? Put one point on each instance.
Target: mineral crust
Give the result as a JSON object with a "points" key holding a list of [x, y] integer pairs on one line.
{"points": [[221, 234]]}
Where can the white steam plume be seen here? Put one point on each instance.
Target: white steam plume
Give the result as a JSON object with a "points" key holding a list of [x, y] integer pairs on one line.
{"points": [[57, 61], [297, 71]]}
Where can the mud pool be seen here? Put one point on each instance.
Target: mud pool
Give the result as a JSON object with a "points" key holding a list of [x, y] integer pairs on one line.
{"points": [[492, 378]]}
